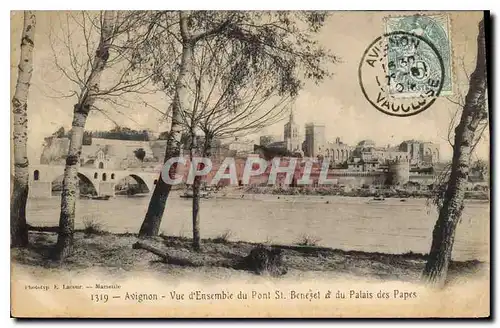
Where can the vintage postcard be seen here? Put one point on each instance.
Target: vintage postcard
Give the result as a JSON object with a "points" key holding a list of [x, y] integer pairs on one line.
{"points": [[250, 164]]}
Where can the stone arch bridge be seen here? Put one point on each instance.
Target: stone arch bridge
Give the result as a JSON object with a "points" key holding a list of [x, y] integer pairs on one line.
{"points": [[102, 180]]}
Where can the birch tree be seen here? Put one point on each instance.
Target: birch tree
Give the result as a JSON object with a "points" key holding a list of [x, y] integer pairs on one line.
{"points": [[466, 133], [84, 68], [280, 42], [19, 197], [151, 224], [230, 99]]}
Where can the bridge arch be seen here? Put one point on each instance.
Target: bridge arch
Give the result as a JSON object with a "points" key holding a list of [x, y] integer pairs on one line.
{"points": [[85, 184], [131, 184]]}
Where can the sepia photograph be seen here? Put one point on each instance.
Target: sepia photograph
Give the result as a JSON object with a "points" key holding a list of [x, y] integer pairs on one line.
{"points": [[250, 164]]}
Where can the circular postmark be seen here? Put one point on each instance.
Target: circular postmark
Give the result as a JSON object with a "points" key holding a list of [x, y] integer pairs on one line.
{"points": [[401, 74]]}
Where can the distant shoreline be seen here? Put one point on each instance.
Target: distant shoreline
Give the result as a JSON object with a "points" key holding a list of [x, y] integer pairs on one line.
{"points": [[361, 193], [237, 194]]}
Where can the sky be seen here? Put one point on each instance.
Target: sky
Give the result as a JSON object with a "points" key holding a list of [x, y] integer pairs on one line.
{"points": [[338, 102]]}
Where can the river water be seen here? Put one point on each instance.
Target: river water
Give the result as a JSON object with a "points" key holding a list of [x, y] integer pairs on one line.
{"points": [[347, 223]]}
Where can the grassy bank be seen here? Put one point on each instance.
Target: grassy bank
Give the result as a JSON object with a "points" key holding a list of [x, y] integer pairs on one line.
{"points": [[114, 253]]}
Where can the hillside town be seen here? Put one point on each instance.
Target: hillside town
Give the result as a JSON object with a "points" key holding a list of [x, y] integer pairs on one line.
{"points": [[365, 156], [411, 164], [147, 149]]}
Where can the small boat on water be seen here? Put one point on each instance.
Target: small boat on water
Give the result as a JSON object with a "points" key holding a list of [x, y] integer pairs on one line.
{"points": [[137, 195], [189, 194], [379, 197], [105, 197]]}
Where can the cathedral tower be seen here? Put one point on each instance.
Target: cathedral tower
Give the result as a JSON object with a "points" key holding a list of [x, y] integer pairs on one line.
{"points": [[291, 134]]}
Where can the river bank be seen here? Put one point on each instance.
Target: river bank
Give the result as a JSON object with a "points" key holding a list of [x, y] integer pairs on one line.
{"points": [[359, 192], [114, 253]]}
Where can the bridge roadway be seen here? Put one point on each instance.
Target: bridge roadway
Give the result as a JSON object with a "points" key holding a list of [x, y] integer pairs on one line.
{"points": [[103, 180]]}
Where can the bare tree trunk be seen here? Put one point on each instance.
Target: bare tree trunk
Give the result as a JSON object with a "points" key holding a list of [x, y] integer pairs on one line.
{"points": [[196, 213], [18, 226], [196, 196], [473, 113], [81, 111], [151, 225]]}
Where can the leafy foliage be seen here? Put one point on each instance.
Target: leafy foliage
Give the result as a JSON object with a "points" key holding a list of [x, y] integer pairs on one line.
{"points": [[480, 168], [92, 226], [87, 138], [247, 66], [122, 133], [140, 153], [76, 61], [308, 240], [60, 133], [224, 237]]}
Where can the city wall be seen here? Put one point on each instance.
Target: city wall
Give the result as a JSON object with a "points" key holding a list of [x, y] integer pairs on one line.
{"points": [[397, 175]]}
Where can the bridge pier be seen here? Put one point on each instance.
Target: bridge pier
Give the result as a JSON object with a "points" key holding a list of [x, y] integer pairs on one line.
{"points": [[40, 189], [106, 189]]}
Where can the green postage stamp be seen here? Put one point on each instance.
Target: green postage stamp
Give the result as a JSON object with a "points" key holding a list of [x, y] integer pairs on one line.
{"points": [[435, 29]]}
